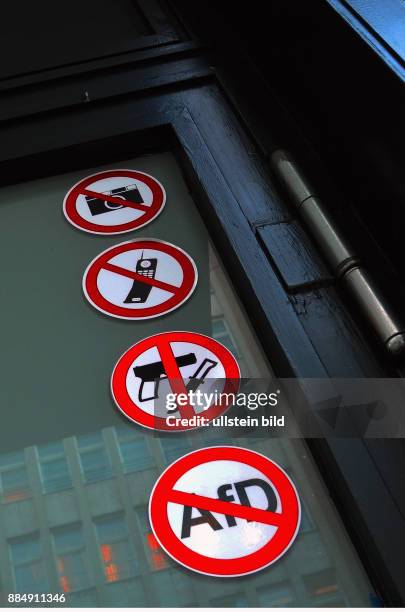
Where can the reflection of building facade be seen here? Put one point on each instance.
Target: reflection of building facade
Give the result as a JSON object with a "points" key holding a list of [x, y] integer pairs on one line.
{"points": [[230, 325], [74, 518]]}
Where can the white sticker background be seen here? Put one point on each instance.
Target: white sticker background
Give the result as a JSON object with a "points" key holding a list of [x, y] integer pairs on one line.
{"points": [[215, 380], [230, 542]]}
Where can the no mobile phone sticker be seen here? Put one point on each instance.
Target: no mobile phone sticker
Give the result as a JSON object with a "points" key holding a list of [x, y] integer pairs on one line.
{"points": [[140, 279]]}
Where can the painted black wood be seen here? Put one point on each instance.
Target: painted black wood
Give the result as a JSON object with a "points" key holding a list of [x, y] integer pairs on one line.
{"points": [[154, 52], [294, 256], [347, 101], [316, 308], [160, 19], [123, 80], [79, 31]]}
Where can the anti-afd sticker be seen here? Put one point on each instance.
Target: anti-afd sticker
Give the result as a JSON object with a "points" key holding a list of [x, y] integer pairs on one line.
{"points": [[225, 511], [114, 202], [155, 382], [140, 279]]}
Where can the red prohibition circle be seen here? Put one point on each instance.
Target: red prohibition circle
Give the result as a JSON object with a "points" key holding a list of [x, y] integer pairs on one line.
{"points": [[135, 413], [289, 521], [149, 212], [179, 294]]}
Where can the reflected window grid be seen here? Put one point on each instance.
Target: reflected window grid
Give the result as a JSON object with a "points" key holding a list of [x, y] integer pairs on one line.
{"points": [[71, 558], [14, 482], [116, 549], [28, 565], [157, 558], [54, 468], [221, 332], [133, 450], [94, 458]]}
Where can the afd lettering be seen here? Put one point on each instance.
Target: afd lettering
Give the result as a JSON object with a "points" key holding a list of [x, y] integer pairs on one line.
{"points": [[229, 493]]}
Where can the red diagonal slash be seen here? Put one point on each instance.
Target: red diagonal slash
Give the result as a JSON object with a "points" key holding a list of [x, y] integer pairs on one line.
{"points": [[113, 200], [138, 277], [227, 508], [174, 376]]}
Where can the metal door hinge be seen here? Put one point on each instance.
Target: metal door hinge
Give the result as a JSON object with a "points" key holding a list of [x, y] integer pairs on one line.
{"points": [[340, 256]]}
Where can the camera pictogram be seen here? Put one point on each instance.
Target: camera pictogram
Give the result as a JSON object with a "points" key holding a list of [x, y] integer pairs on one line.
{"points": [[98, 206]]}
